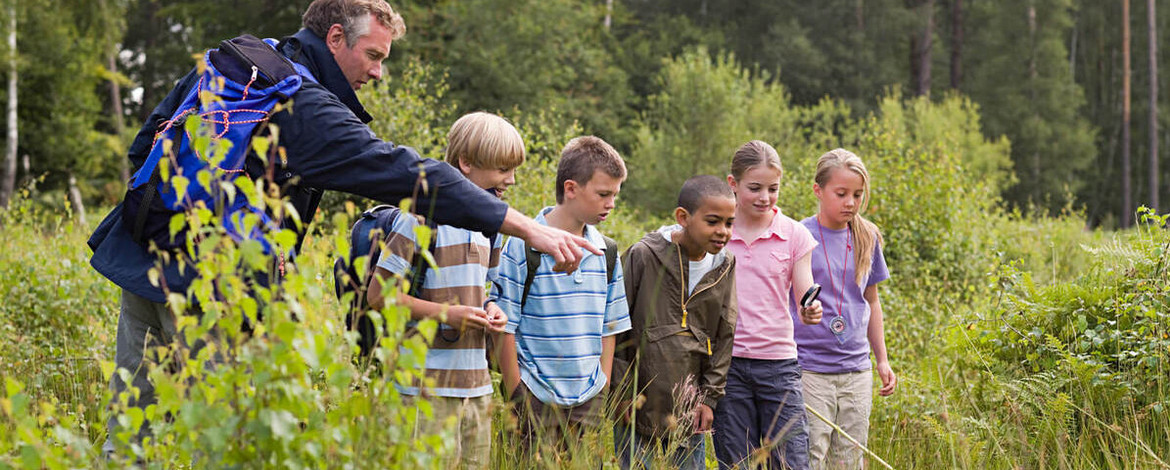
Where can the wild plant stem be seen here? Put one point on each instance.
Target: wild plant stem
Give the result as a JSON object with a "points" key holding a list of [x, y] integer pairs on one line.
{"points": [[1136, 444], [847, 436]]}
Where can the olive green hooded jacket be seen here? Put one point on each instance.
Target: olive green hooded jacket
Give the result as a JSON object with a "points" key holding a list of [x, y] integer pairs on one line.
{"points": [[674, 360]]}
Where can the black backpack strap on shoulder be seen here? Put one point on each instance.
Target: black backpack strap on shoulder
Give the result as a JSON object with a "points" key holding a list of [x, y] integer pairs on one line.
{"points": [[532, 259], [419, 276], [150, 192], [418, 269], [611, 255], [373, 253]]}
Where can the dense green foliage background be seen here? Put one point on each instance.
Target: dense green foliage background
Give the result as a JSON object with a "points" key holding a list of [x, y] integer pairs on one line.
{"points": [[1051, 85], [1021, 339]]}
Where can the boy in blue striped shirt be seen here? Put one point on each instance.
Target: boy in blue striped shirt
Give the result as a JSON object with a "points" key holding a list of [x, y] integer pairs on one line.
{"points": [[487, 150], [557, 352]]}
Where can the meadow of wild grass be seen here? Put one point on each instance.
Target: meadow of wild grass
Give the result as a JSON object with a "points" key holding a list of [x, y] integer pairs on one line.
{"points": [[1062, 364]]}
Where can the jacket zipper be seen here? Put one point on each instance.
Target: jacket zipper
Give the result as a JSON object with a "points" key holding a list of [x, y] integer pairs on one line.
{"points": [[697, 292]]}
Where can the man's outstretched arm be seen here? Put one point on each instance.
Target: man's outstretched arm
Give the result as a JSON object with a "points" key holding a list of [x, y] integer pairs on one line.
{"points": [[329, 148], [563, 246]]}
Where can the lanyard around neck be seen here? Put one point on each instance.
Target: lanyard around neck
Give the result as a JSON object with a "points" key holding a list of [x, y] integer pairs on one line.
{"points": [[844, 265]]}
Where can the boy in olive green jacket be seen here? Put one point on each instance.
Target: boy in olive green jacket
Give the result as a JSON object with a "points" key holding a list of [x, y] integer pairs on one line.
{"points": [[680, 285]]}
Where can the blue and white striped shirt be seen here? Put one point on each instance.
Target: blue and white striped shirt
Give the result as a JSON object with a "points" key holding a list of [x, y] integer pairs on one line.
{"points": [[558, 335]]}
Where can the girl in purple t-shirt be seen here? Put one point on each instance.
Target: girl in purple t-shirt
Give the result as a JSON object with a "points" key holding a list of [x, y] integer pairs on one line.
{"points": [[834, 355]]}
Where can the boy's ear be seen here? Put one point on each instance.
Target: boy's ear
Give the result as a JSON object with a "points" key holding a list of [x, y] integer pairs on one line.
{"points": [[681, 216], [571, 189], [464, 167]]}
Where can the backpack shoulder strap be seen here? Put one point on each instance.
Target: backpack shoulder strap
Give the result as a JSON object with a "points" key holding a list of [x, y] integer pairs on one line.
{"points": [[532, 260], [611, 255], [359, 239], [140, 220], [418, 269]]}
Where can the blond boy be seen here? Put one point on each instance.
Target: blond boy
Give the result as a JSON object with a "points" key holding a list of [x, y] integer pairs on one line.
{"points": [[487, 150]]}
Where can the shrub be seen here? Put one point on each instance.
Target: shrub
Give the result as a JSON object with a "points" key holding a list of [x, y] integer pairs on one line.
{"points": [[56, 317], [707, 108], [1109, 325]]}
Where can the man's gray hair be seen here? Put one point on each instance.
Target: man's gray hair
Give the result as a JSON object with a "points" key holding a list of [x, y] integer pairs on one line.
{"points": [[351, 15]]}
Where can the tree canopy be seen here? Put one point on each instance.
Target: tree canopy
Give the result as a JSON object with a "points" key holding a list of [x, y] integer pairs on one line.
{"points": [[1043, 75]]}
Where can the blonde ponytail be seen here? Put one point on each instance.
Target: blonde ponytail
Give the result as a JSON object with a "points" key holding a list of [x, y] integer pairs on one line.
{"points": [[866, 235]]}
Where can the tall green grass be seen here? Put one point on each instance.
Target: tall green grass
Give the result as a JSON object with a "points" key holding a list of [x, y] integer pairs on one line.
{"points": [[1069, 372], [1011, 380]]}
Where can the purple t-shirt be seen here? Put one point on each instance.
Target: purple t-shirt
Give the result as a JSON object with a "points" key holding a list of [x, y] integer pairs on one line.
{"points": [[818, 349]]}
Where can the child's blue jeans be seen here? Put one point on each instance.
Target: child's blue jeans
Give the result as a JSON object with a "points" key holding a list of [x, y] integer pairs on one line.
{"points": [[763, 407], [690, 455]]}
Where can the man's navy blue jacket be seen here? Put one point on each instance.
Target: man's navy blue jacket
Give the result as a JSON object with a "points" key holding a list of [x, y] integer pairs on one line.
{"points": [[329, 147]]}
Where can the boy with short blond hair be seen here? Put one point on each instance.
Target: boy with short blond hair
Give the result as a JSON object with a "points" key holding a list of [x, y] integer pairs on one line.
{"points": [[557, 353], [487, 150], [681, 288]]}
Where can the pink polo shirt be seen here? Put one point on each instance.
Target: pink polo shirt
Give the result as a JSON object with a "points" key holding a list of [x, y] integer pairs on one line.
{"points": [[763, 277]]}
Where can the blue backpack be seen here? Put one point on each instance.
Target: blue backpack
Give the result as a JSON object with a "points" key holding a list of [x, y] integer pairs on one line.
{"points": [[373, 226], [247, 78]]}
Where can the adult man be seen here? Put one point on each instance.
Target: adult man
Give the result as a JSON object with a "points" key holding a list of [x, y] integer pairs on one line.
{"points": [[329, 147]]}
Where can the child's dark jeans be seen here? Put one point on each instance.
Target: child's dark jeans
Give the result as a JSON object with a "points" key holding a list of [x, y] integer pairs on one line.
{"points": [[763, 407]]}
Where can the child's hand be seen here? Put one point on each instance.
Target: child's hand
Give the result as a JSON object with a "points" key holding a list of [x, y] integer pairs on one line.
{"points": [[511, 385], [625, 411], [463, 317], [625, 408], [703, 418], [811, 315], [889, 380], [496, 317]]}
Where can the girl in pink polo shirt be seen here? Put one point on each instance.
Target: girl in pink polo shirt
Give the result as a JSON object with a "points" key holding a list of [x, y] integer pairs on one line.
{"points": [[763, 406], [834, 356]]}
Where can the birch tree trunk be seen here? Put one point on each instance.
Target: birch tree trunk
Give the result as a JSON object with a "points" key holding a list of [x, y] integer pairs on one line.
{"points": [[8, 186], [116, 110], [1033, 74], [921, 43], [859, 15], [75, 200], [608, 14]]}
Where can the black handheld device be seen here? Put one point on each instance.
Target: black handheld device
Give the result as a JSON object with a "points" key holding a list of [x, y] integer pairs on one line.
{"points": [[812, 294]]}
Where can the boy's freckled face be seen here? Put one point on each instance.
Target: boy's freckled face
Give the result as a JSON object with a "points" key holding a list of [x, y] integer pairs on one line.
{"points": [[496, 180], [593, 201], [710, 226]]}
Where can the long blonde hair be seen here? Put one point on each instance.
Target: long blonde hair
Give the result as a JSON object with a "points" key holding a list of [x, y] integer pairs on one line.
{"points": [[865, 234]]}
